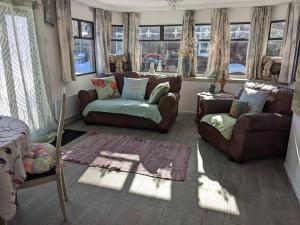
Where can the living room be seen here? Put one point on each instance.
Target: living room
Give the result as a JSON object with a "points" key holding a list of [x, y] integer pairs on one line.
{"points": [[151, 112]]}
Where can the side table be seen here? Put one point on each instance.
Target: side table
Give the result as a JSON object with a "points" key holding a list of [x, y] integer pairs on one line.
{"points": [[206, 96]]}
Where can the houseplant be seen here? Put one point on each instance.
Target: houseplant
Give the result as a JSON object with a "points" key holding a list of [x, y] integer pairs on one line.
{"points": [[186, 51]]}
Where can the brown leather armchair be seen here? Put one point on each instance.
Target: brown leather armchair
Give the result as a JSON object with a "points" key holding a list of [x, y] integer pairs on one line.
{"points": [[255, 135]]}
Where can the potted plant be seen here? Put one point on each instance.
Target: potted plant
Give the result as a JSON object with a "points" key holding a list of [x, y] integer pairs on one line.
{"points": [[186, 51]]}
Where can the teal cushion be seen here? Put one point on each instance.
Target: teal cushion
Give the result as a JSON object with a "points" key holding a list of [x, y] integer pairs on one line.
{"points": [[134, 89], [159, 91], [256, 99], [238, 108]]}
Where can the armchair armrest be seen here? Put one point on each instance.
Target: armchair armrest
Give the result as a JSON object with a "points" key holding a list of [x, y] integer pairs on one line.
{"points": [[211, 106], [85, 97], [263, 122]]}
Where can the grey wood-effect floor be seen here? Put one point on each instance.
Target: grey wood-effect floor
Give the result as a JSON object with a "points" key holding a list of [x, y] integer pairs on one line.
{"points": [[215, 192]]}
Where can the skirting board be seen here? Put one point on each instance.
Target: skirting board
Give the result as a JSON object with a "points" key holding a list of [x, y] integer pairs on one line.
{"points": [[294, 185]]}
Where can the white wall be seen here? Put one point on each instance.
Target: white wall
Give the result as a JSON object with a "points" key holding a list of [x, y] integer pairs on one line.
{"points": [[292, 162]]}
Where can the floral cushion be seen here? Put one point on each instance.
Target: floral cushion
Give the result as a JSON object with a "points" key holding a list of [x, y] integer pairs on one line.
{"points": [[106, 87], [134, 89], [41, 160]]}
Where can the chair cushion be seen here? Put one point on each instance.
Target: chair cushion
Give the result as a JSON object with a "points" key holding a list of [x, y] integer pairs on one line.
{"points": [[222, 122], [238, 108], [106, 87], [256, 99], [134, 89], [159, 91], [41, 160]]}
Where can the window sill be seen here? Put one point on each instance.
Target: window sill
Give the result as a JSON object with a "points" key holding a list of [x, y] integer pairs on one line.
{"points": [[205, 79]]}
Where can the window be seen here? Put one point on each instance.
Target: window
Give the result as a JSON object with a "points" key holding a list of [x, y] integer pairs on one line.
{"points": [[160, 45], [275, 38], [239, 36], [203, 34], [117, 37], [84, 47]]}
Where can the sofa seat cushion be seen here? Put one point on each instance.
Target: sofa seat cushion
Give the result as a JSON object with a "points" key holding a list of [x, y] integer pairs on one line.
{"points": [[222, 122], [126, 107]]}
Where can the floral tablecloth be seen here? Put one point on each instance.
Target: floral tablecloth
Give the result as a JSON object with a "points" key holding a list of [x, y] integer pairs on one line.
{"points": [[15, 143]]}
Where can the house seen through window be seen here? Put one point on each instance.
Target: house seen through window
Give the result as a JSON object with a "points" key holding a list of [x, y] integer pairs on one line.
{"points": [[275, 38], [160, 45], [117, 37], [84, 47]]}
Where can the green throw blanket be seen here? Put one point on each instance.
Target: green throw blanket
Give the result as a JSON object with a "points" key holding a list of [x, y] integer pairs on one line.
{"points": [[126, 107], [222, 122]]}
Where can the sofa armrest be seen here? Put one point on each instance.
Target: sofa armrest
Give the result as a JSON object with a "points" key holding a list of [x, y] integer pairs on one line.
{"points": [[211, 106], [168, 101], [85, 97], [263, 122]]}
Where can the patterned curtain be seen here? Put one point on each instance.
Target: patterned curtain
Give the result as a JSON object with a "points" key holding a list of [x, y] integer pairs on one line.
{"points": [[188, 32], [22, 89], [296, 100], [102, 40], [66, 43], [219, 51], [257, 46], [289, 43], [126, 32]]}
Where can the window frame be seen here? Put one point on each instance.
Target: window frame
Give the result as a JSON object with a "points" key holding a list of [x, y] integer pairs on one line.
{"points": [[116, 39], [242, 75], [269, 36], [86, 38], [202, 39], [161, 37]]}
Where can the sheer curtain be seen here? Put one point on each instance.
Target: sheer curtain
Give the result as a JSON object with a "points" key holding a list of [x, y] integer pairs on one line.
{"points": [[22, 89]]}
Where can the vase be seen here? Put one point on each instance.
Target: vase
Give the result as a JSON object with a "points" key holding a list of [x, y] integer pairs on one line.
{"points": [[186, 66]]}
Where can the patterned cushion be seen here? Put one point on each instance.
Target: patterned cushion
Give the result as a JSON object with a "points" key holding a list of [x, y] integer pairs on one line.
{"points": [[159, 91], [41, 160], [256, 99], [134, 89], [119, 63], [271, 67], [106, 87], [238, 108]]}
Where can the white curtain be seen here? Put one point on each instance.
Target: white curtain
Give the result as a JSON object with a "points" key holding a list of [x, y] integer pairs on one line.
{"points": [[102, 40], [257, 46], [66, 42], [22, 89], [188, 32], [289, 43], [219, 51]]}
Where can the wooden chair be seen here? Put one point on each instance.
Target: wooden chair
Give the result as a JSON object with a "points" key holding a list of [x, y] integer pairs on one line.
{"points": [[55, 174]]}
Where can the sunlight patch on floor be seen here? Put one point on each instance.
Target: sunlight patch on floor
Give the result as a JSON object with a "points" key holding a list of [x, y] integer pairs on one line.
{"points": [[211, 195], [103, 178], [199, 160], [152, 187]]}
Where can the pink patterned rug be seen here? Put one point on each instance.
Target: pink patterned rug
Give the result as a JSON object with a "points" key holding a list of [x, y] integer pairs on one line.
{"points": [[131, 154]]}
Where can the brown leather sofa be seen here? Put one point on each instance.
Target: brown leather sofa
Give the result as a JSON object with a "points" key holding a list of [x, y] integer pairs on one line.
{"points": [[255, 135], [168, 105]]}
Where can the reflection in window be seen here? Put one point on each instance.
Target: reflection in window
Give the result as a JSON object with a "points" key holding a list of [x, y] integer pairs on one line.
{"points": [[84, 48], [160, 45], [117, 37], [239, 35], [275, 38], [202, 33]]}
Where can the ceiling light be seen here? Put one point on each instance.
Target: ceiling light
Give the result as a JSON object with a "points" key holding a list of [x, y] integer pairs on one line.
{"points": [[173, 3]]}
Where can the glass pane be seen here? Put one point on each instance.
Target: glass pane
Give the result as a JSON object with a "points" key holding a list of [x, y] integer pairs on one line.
{"points": [[202, 56], [75, 28], [240, 31], [163, 54], [203, 31], [172, 32], [84, 56], [116, 48], [277, 29], [273, 48], [238, 54], [117, 32], [86, 29], [149, 33]]}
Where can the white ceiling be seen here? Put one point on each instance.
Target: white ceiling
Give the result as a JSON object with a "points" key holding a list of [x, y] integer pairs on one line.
{"points": [[162, 5]]}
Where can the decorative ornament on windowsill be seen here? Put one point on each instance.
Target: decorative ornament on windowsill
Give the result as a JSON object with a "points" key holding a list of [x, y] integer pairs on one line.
{"points": [[222, 82], [186, 51], [151, 68]]}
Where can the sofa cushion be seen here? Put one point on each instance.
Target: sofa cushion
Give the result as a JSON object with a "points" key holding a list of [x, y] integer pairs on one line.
{"points": [[126, 107], [106, 87], [238, 108], [134, 89], [159, 91], [256, 99], [222, 122]]}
